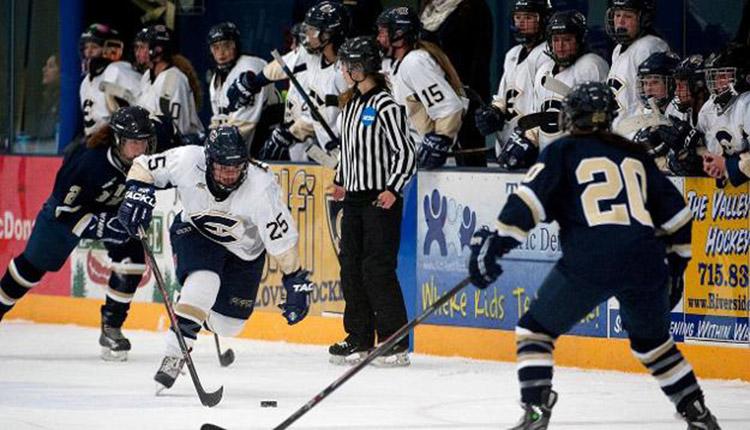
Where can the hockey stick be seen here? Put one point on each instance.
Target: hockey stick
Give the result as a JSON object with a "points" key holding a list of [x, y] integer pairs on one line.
{"points": [[227, 357], [555, 85], [312, 153], [207, 399], [377, 352]]}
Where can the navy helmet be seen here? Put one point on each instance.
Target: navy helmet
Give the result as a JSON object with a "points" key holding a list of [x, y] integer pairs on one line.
{"points": [[543, 8], [132, 122], [159, 39], [567, 22], [331, 20], [727, 74], [225, 146], [402, 23], [690, 70], [229, 32], [646, 10], [361, 53], [589, 107], [659, 65]]}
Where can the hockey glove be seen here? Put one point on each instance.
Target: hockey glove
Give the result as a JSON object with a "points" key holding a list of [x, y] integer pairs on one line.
{"points": [[651, 140], [676, 266], [489, 119], [298, 287], [486, 248], [105, 227], [680, 135], [434, 151], [137, 208], [243, 90], [278, 144], [518, 153]]}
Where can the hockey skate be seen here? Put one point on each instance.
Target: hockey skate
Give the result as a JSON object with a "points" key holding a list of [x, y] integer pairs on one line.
{"points": [[536, 417], [699, 417], [114, 345], [168, 372], [347, 352], [398, 356]]}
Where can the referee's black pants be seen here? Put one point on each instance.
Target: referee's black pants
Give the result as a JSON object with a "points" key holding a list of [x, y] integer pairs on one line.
{"points": [[370, 238]]}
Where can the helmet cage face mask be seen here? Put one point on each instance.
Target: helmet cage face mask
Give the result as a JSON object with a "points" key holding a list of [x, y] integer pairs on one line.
{"points": [[668, 84], [311, 34], [721, 82], [643, 18]]}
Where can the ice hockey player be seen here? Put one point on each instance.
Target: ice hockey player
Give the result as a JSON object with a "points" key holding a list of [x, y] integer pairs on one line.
{"points": [[515, 94], [233, 213], [87, 192], [611, 248], [630, 24], [572, 64], [326, 26], [725, 118], [109, 83], [170, 86], [253, 118], [424, 82]]}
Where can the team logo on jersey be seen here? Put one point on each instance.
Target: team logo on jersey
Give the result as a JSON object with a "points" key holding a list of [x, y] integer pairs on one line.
{"points": [[218, 227], [368, 116], [724, 137]]}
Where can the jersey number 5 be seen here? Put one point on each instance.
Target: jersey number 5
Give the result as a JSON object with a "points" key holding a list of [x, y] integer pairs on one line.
{"points": [[596, 194]]}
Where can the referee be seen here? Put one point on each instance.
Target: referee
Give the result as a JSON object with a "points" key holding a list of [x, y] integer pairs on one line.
{"points": [[377, 160]]}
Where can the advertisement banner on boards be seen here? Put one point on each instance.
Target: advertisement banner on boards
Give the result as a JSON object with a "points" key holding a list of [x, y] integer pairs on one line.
{"points": [[451, 207]]}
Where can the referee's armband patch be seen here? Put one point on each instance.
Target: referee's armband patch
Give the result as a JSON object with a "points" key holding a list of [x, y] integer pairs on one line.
{"points": [[368, 116]]}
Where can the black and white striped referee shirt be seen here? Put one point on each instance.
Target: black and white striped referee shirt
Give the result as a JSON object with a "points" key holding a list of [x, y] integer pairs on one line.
{"points": [[377, 152]]}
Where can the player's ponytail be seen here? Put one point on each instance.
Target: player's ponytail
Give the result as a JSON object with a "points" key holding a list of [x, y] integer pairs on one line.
{"points": [[445, 63], [103, 136], [187, 68]]}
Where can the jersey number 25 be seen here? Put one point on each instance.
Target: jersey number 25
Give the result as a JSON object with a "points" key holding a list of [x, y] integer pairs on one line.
{"points": [[594, 198]]}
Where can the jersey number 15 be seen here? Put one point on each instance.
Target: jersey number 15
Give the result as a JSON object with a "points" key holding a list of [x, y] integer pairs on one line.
{"points": [[595, 196]]}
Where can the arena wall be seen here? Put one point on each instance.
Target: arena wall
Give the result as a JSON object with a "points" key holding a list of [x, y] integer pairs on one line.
{"points": [[443, 210]]}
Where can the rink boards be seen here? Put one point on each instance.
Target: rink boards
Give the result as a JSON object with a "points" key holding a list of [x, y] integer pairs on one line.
{"points": [[443, 210]]}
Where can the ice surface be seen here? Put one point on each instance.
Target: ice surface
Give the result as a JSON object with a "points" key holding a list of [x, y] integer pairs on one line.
{"points": [[51, 377]]}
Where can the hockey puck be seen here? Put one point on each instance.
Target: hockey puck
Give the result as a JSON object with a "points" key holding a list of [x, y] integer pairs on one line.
{"points": [[268, 403]]}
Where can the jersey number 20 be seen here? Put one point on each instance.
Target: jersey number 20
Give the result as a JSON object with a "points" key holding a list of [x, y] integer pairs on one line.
{"points": [[595, 196]]}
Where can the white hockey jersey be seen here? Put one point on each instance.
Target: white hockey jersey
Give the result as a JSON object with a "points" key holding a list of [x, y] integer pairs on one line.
{"points": [[589, 67], [726, 133], [324, 84], [170, 92], [623, 75], [515, 93], [254, 217], [250, 113], [418, 77], [96, 110]]}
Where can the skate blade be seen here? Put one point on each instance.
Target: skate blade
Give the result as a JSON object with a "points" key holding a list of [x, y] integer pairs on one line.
{"points": [[160, 389], [395, 360], [349, 360], [109, 355]]}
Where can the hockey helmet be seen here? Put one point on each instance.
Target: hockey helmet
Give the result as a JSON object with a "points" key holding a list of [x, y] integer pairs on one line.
{"points": [[132, 123], [646, 10], [690, 71], [328, 22], [227, 158], [567, 22], [542, 8], [225, 31], [361, 54], [727, 74], [402, 23], [659, 65], [159, 40], [589, 107]]}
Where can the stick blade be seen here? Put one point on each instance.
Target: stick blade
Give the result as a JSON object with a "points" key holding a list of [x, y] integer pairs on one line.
{"points": [[211, 399], [209, 426]]}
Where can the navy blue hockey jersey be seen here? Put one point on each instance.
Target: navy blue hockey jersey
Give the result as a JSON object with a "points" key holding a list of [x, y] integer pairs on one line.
{"points": [[611, 203], [90, 180]]}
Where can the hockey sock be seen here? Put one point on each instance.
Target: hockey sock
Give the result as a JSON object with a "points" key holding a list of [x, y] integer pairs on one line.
{"points": [[671, 370], [19, 278], [534, 348], [123, 282]]}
